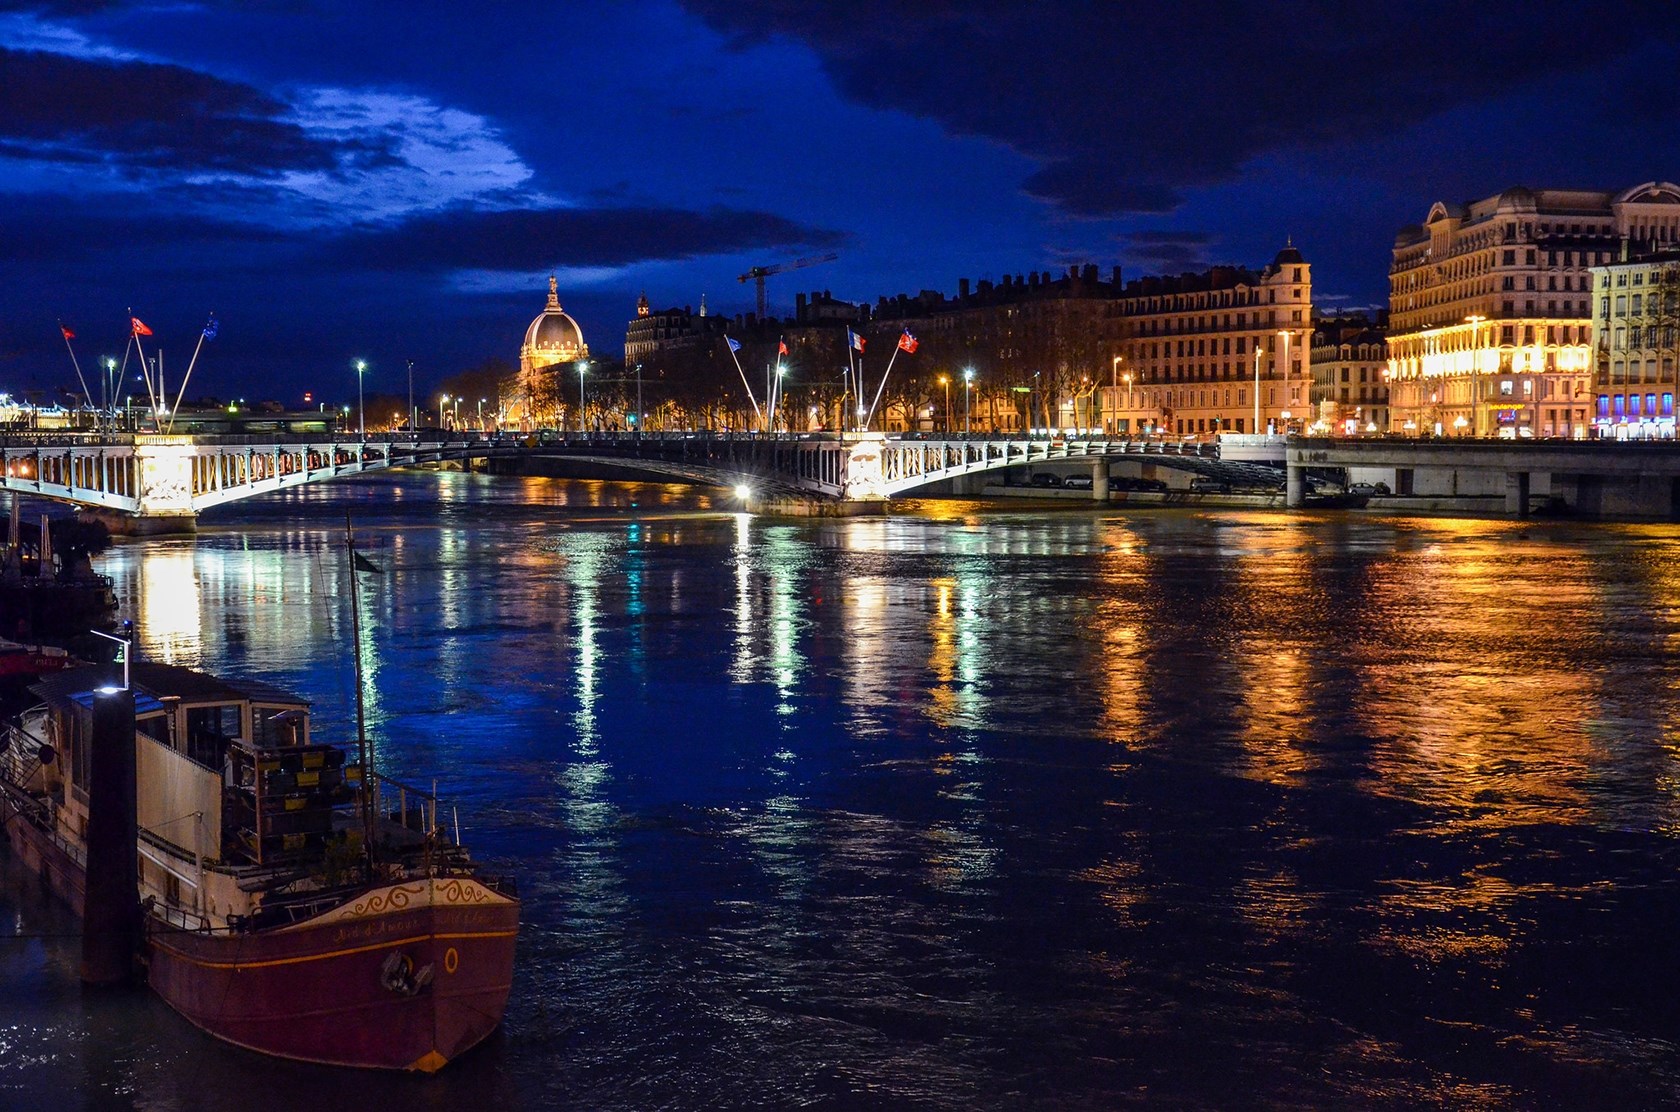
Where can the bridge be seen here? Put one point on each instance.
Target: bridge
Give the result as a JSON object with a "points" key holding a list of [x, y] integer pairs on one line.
{"points": [[170, 480], [1589, 478]]}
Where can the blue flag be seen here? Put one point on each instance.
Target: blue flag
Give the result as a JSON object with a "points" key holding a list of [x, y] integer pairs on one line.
{"points": [[211, 328], [734, 345]]}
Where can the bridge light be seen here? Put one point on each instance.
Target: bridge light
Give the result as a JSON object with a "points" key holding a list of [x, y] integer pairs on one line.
{"points": [[743, 492]]}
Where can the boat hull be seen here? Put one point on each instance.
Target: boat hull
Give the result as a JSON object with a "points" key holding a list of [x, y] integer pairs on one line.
{"points": [[406, 976]]}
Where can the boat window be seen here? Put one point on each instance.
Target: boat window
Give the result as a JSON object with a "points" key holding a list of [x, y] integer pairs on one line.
{"points": [[154, 726], [272, 727], [209, 729]]}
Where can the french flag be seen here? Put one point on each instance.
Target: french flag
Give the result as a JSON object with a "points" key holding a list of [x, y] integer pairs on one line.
{"points": [[855, 340]]}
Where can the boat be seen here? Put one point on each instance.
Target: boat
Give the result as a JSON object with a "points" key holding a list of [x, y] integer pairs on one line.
{"points": [[289, 900]]}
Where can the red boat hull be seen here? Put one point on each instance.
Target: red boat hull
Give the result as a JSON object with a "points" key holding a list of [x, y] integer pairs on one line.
{"points": [[409, 976]]}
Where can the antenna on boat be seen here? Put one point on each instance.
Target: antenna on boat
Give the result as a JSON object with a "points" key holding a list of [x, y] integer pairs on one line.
{"points": [[363, 752]]}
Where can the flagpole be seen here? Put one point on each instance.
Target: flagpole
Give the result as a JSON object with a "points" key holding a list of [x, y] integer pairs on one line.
{"points": [[86, 393], [877, 401], [191, 363], [747, 385], [145, 370]]}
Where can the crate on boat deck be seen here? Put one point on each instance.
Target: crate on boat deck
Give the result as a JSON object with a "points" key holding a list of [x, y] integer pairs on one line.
{"points": [[280, 802]]}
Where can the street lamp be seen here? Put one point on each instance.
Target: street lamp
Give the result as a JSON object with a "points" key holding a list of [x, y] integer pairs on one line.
{"points": [[361, 422], [1474, 320], [411, 397], [945, 381], [583, 364], [968, 389], [1258, 352], [443, 409], [481, 414], [1288, 379]]}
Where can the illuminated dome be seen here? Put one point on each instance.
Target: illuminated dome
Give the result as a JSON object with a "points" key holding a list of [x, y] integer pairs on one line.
{"points": [[554, 337]]}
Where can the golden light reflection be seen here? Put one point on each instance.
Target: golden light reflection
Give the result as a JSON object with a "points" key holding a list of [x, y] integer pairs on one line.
{"points": [[169, 612]]}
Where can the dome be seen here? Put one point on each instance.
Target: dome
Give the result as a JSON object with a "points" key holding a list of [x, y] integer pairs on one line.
{"points": [[1289, 256], [554, 337]]}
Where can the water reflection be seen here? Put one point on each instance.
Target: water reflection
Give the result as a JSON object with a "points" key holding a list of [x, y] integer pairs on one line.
{"points": [[971, 803]]}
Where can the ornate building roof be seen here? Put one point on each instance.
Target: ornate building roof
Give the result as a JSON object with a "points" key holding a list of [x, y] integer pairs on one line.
{"points": [[554, 337]]}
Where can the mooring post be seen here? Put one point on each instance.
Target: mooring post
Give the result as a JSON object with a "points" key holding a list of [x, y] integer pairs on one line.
{"points": [[111, 906]]}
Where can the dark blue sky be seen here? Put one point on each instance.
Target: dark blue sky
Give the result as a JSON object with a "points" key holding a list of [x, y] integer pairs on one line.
{"points": [[396, 181]]}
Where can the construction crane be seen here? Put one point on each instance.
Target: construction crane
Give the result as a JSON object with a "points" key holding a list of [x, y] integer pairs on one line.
{"points": [[760, 273]]}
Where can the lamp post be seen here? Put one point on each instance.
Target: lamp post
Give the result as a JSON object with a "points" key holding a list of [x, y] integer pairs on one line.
{"points": [[968, 390], [945, 381], [583, 365], [443, 409], [361, 423], [638, 401], [1114, 387], [1288, 379], [1474, 320], [411, 421], [1258, 352], [481, 415]]}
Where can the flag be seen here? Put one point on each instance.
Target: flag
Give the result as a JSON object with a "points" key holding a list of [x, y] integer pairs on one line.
{"points": [[908, 343], [855, 340], [68, 335], [781, 347], [139, 326], [734, 345], [362, 563], [212, 328]]}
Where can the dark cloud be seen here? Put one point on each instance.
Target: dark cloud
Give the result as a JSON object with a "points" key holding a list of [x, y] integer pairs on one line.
{"points": [[1165, 251], [148, 116], [535, 238], [1129, 105]]}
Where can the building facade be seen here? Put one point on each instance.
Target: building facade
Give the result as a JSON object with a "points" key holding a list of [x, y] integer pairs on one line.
{"points": [[1490, 308], [1636, 325], [1224, 350], [1350, 375], [552, 340]]}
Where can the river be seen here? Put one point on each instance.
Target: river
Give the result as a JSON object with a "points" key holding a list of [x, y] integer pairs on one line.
{"points": [[975, 806]]}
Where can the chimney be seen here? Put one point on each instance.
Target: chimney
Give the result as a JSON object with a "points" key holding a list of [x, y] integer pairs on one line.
{"points": [[799, 306], [962, 288], [1116, 278]]}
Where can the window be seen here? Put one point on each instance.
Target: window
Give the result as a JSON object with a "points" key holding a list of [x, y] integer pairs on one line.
{"points": [[1509, 259]]}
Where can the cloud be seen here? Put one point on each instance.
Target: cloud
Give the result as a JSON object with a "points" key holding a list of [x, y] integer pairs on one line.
{"points": [[525, 240], [1167, 252], [1128, 107], [145, 116], [428, 156]]}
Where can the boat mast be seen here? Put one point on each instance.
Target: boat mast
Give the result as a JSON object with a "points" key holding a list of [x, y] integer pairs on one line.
{"points": [[363, 753]]}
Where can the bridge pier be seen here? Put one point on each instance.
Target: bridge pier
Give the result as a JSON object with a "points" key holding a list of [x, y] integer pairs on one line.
{"points": [[1516, 493], [1295, 486], [1099, 480], [121, 524]]}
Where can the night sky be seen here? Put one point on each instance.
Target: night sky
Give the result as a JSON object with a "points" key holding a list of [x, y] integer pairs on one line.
{"points": [[396, 181]]}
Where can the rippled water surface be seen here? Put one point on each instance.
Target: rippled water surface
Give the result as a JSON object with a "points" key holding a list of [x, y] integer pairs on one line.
{"points": [[974, 806]]}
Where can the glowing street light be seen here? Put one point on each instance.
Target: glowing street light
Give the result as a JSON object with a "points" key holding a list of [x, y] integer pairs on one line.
{"points": [[443, 408], [945, 381], [583, 365], [361, 421], [968, 389], [1474, 320], [1258, 352], [481, 402]]}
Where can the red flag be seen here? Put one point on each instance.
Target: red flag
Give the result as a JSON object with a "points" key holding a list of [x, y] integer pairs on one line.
{"points": [[139, 326], [908, 342], [68, 335], [781, 347]]}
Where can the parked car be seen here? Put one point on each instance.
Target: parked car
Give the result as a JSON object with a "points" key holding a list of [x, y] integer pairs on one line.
{"points": [[1044, 479], [1368, 490], [1078, 482], [1203, 485], [1126, 482]]}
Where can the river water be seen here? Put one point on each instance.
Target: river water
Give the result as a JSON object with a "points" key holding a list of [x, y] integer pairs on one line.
{"points": [[976, 806]]}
